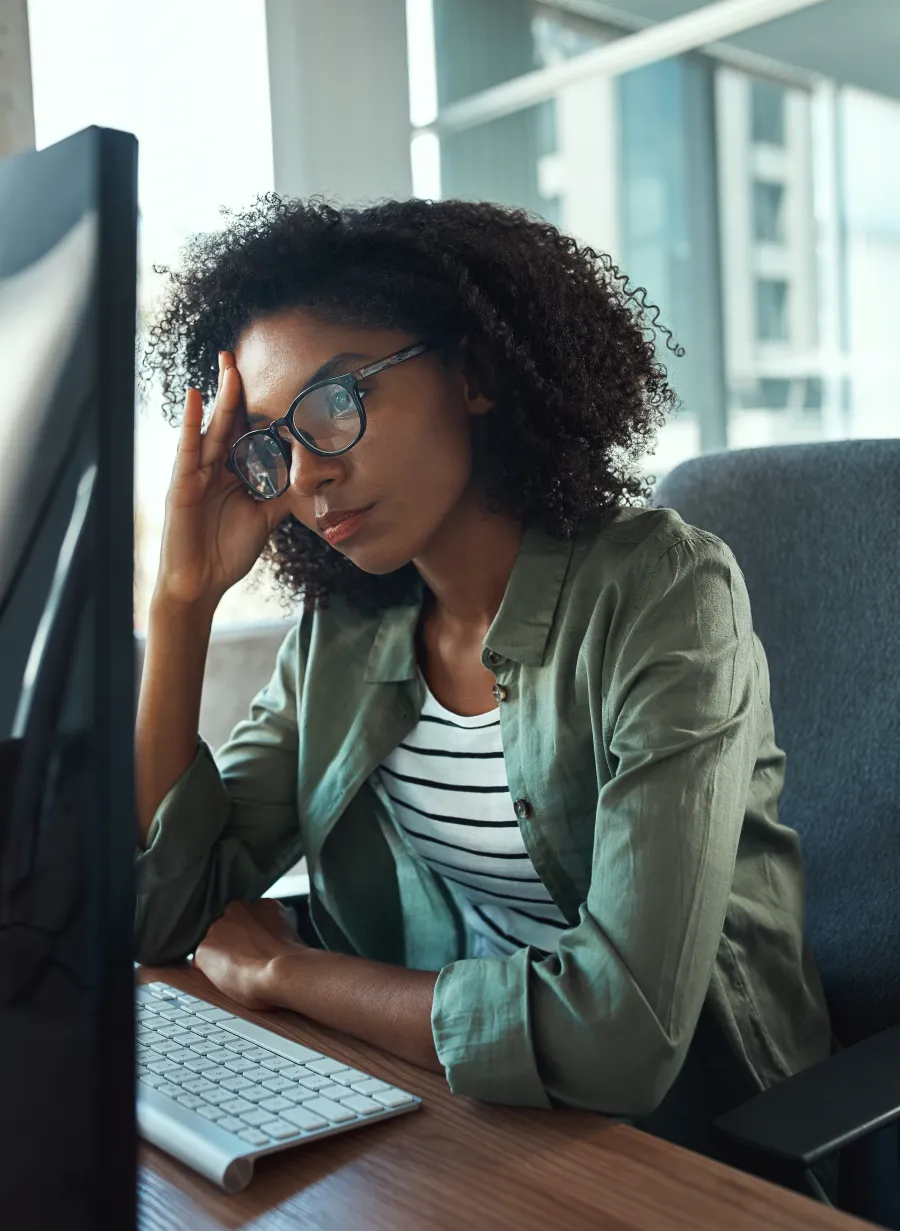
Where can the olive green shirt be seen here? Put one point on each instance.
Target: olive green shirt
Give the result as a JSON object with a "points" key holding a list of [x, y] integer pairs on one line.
{"points": [[640, 751]]}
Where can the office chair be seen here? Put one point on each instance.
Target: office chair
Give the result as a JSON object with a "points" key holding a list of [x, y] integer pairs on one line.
{"points": [[816, 531]]}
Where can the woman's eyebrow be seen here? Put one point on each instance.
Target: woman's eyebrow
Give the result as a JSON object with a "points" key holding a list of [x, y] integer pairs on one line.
{"points": [[338, 361]]}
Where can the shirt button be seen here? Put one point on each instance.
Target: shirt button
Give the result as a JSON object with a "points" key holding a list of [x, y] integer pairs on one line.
{"points": [[523, 808], [494, 658], [499, 692]]}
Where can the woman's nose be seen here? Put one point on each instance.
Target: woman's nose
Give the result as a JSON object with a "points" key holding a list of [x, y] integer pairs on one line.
{"points": [[310, 470]]}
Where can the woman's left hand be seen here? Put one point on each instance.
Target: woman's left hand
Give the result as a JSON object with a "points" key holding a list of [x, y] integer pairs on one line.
{"points": [[238, 951]]}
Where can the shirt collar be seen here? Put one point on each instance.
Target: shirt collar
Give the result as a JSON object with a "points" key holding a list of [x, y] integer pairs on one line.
{"points": [[521, 628]]}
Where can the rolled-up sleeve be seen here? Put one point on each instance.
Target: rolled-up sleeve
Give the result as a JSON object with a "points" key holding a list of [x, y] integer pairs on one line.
{"points": [[604, 1023], [228, 827]]}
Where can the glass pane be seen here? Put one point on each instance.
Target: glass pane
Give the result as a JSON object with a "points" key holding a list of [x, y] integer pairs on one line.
{"points": [[768, 212], [667, 208], [774, 366], [869, 136], [771, 310], [767, 112], [478, 45]]}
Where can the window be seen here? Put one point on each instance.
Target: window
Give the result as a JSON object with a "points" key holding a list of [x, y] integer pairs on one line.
{"points": [[108, 63], [771, 310], [767, 112], [768, 212]]}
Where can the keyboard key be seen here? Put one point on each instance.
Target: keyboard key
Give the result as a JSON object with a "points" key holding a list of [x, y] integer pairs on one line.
{"points": [[278, 1084], [206, 1030], [326, 1067], [180, 1054], [348, 1076], [174, 1014], [231, 1124], [169, 1089], [304, 1054], [218, 1072], [360, 1104], [336, 1092], [276, 1103], [254, 1136], [198, 1085], [191, 1101], [210, 1112], [257, 1054], [255, 1094], [168, 1031], [279, 1129], [275, 1063], [370, 1086], [179, 1074], [303, 1118], [162, 991], [238, 1045], [220, 1055], [238, 1064], [184, 1037], [202, 1048], [234, 1105], [256, 1117], [294, 1071], [392, 1098], [216, 1035], [216, 1097], [331, 1110], [237, 1084], [298, 1094], [198, 1064], [214, 1015], [258, 1074], [315, 1081], [161, 1066], [186, 999], [152, 1079]]}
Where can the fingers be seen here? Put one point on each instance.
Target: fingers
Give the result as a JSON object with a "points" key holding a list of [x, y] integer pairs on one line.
{"points": [[188, 455], [219, 435]]}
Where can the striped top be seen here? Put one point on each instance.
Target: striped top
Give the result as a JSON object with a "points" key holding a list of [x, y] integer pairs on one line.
{"points": [[447, 782]]}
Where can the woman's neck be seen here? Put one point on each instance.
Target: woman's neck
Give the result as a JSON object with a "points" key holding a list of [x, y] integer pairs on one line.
{"points": [[467, 566]]}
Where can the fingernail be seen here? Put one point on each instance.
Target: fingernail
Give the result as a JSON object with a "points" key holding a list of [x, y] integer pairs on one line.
{"points": [[221, 353]]}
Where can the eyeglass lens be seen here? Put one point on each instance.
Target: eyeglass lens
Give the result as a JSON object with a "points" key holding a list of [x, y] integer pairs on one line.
{"points": [[327, 418]]}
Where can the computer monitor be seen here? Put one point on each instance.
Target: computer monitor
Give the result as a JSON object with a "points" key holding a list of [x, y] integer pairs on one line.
{"points": [[68, 239]]}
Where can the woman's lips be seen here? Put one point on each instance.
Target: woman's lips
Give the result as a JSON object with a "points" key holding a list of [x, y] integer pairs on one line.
{"points": [[344, 529]]}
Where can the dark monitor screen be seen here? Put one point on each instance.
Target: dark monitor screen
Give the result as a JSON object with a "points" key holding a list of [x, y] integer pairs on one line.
{"points": [[68, 238]]}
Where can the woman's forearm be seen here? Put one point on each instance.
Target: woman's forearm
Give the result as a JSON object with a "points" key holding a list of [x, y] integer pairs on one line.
{"points": [[387, 1006], [168, 712]]}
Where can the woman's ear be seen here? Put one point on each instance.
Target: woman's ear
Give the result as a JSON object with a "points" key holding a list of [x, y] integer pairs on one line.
{"points": [[476, 376]]}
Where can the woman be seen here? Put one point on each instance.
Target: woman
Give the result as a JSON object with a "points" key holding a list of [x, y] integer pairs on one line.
{"points": [[521, 730]]}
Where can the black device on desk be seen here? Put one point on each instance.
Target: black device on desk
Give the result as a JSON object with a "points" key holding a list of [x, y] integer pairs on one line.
{"points": [[68, 265]]}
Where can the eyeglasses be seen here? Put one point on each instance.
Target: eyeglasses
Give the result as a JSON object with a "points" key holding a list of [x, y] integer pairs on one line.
{"points": [[327, 418]]}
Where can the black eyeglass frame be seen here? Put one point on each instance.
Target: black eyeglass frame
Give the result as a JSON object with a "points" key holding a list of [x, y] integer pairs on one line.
{"points": [[350, 382]]}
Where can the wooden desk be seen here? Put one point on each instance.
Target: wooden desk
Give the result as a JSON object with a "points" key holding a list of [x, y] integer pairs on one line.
{"points": [[456, 1163]]}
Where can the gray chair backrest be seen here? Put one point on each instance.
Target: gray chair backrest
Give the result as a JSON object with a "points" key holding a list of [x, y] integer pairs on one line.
{"points": [[816, 531]]}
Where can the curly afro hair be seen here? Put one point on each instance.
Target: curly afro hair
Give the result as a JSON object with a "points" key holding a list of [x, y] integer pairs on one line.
{"points": [[554, 337]]}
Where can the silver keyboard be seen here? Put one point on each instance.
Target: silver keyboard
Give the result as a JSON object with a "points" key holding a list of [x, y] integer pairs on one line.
{"points": [[219, 1092]]}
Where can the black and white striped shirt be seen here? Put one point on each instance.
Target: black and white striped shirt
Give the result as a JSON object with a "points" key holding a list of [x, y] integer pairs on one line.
{"points": [[447, 783]]}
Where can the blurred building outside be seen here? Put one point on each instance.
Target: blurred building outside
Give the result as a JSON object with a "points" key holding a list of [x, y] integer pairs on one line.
{"points": [[755, 201]]}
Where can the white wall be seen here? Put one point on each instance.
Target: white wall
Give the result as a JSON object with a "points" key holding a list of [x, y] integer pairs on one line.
{"points": [[339, 83]]}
